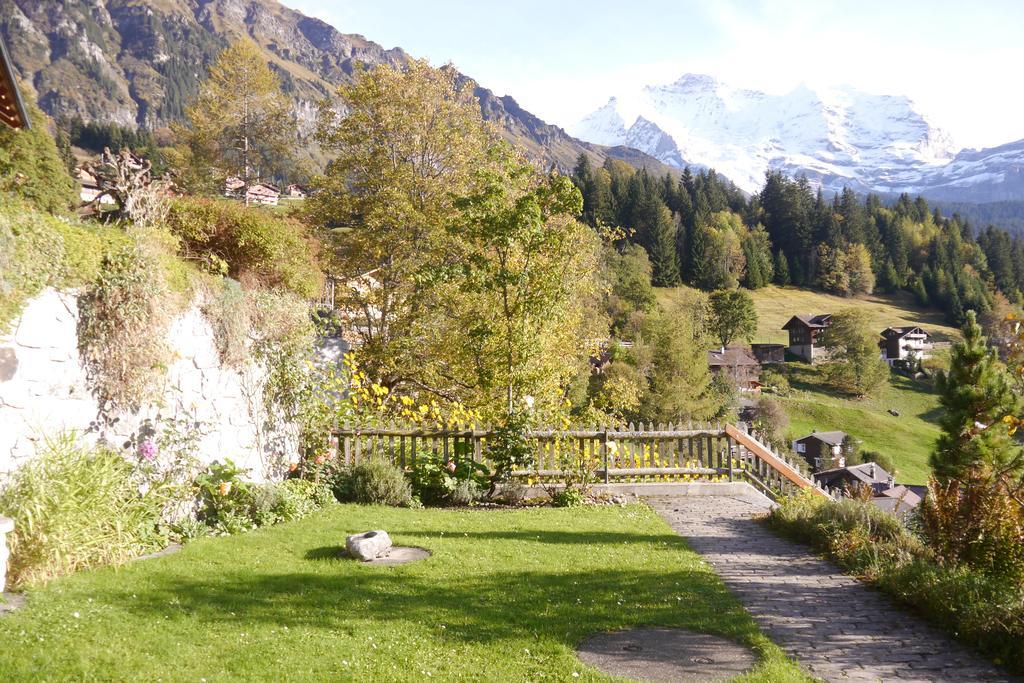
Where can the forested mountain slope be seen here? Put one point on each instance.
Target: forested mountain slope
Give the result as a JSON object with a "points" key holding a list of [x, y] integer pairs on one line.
{"points": [[139, 63]]}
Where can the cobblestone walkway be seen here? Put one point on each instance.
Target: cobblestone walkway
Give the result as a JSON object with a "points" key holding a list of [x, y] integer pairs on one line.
{"points": [[838, 628]]}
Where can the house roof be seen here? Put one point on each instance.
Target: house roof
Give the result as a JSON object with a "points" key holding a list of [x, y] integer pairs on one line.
{"points": [[899, 492], [732, 356], [866, 473], [900, 332], [12, 108], [820, 321], [831, 438], [257, 187]]}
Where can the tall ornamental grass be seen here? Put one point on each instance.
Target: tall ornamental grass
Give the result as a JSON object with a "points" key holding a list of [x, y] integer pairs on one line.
{"points": [[75, 507]]}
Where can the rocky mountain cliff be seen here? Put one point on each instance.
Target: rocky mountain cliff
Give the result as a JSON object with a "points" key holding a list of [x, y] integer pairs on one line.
{"points": [[837, 137], [139, 63]]}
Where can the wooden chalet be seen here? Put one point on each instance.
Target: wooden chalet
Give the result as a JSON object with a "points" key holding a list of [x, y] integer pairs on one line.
{"points": [[739, 365], [805, 335], [903, 343], [821, 450], [262, 193]]}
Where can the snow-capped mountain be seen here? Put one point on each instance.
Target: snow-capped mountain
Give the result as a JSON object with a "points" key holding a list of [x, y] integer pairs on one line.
{"points": [[837, 137]]}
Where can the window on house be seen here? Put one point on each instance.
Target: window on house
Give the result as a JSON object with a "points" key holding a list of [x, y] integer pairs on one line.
{"points": [[801, 448]]}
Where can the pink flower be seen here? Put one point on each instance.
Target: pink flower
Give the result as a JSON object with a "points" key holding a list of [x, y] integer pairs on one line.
{"points": [[450, 466], [147, 450]]}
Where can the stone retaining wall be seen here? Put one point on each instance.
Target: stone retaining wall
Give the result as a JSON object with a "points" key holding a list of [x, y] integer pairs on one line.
{"points": [[43, 391]]}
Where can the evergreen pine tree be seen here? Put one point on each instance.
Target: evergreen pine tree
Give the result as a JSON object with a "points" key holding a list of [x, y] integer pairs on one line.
{"points": [[664, 258], [781, 269], [975, 395]]}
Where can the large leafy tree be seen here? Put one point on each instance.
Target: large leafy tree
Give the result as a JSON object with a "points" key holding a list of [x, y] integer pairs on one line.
{"points": [[411, 141], [528, 266], [855, 364], [976, 394], [241, 124], [673, 358], [732, 316]]}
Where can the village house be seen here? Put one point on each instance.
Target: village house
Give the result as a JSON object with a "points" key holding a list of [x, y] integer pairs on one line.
{"points": [[739, 365], [903, 343], [262, 193], [805, 335], [887, 495], [256, 193], [89, 187], [766, 354], [821, 450], [233, 187], [296, 192]]}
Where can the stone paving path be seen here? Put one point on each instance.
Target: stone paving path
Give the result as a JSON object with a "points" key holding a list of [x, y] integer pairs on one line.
{"points": [[837, 627]]}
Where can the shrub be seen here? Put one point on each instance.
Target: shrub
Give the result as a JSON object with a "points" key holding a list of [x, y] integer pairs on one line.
{"points": [[38, 250], [775, 382], [436, 480], [232, 505], [378, 482], [509, 448], [226, 500], [568, 498], [976, 524], [248, 243], [31, 256], [75, 507], [31, 166], [339, 481]]}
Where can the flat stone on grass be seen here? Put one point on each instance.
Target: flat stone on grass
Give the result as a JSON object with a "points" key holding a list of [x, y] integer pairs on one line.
{"points": [[666, 655], [397, 555], [10, 602]]}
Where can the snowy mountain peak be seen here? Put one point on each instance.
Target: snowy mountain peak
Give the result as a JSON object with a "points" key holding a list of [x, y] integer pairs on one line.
{"points": [[837, 136]]}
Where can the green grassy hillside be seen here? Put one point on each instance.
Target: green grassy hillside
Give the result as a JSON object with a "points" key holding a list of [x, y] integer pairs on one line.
{"points": [[776, 305], [907, 439]]}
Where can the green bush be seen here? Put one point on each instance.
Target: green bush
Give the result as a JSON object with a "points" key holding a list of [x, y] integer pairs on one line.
{"points": [[38, 250], [437, 480], [378, 482], [75, 507], [775, 382], [31, 166], [248, 243], [230, 504], [984, 610], [510, 449], [568, 498], [339, 480], [31, 256]]}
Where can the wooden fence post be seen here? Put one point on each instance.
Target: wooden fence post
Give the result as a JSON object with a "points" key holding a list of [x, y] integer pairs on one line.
{"points": [[604, 452]]}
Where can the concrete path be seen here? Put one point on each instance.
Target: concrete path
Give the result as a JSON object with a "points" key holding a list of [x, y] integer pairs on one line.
{"points": [[837, 627]]}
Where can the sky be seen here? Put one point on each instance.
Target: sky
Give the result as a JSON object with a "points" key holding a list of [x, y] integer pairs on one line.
{"points": [[960, 62]]}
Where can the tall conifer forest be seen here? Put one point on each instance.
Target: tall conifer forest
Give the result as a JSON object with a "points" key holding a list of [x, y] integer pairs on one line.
{"points": [[700, 230]]}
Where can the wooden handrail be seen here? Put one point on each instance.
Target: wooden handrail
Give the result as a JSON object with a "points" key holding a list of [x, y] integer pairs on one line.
{"points": [[772, 460]]}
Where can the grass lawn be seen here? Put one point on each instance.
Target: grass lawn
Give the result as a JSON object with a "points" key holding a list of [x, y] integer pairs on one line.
{"points": [[907, 439], [505, 597], [776, 305]]}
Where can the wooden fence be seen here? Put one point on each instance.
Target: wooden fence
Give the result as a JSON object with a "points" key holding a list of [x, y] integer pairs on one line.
{"points": [[643, 454]]}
